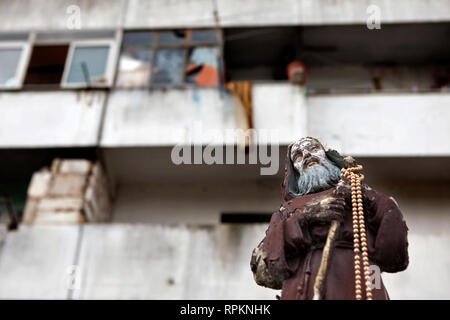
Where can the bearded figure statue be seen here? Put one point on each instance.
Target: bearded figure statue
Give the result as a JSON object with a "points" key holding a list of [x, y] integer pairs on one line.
{"points": [[315, 194]]}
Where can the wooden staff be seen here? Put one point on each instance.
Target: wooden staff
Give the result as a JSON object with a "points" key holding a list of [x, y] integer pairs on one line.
{"points": [[320, 278]]}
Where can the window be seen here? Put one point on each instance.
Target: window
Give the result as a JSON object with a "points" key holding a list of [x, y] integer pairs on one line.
{"points": [[46, 65], [13, 57], [58, 59], [89, 63], [169, 59], [135, 60], [10, 60], [71, 59], [260, 54], [168, 68]]}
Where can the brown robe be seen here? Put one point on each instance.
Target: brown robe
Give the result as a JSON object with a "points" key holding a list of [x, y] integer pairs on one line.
{"points": [[289, 256]]}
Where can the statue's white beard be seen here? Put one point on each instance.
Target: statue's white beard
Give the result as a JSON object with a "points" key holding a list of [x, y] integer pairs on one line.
{"points": [[318, 178]]}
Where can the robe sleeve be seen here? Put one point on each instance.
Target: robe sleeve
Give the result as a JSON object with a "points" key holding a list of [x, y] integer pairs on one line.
{"points": [[277, 256], [389, 250]]}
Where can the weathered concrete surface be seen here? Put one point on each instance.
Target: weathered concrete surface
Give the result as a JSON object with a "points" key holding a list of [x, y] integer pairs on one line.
{"points": [[312, 12], [425, 208], [163, 262], [358, 124], [147, 261], [143, 118], [280, 108], [130, 261], [34, 262], [50, 119], [382, 124], [101, 14], [428, 272], [192, 203], [26, 15], [169, 14]]}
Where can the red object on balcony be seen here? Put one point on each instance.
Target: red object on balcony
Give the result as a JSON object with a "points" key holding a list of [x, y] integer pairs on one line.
{"points": [[296, 72]]}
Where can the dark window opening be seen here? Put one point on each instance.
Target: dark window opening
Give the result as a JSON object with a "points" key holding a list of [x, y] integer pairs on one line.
{"points": [[397, 57], [245, 217], [259, 53], [20, 164], [46, 65]]}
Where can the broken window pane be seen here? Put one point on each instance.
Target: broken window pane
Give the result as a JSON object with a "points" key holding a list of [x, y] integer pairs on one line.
{"points": [[171, 38], [202, 67], [46, 65], [135, 60], [9, 61], [169, 64], [88, 65], [204, 36], [134, 68], [137, 39]]}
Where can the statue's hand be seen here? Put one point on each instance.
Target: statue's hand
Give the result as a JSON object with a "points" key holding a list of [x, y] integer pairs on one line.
{"points": [[326, 210], [343, 190]]}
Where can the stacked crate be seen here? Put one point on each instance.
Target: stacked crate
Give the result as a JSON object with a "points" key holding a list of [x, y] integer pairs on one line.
{"points": [[72, 191]]}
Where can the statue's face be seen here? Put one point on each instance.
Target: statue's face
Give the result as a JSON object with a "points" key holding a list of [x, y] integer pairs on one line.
{"points": [[306, 153]]}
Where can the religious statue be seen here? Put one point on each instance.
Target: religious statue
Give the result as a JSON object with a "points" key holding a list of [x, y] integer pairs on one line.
{"points": [[332, 233]]}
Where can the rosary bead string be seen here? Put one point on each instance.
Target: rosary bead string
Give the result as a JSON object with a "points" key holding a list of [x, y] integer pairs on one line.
{"points": [[359, 233]]}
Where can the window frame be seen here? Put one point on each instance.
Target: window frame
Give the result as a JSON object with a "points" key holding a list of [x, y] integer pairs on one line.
{"points": [[154, 47], [110, 63], [22, 64], [186, 45], [120, 47]]}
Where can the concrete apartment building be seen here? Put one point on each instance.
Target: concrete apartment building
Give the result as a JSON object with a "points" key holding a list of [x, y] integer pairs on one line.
{"points": [[121, 82]]}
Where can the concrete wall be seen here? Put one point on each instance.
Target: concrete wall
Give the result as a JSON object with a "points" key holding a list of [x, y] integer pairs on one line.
{"points": [[409, 124], [401, 124], [166, 240], [135, 260], [169, 14], [162, 262], [129, 261], [281, 108], [196, 203], [34, 262], [50, 119], [26, 14], [142, 118], [382, 124], [312, 12], [425, 206]]}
